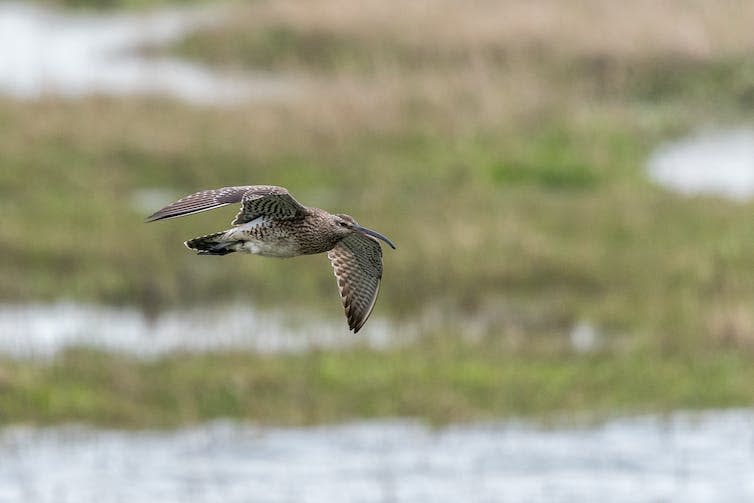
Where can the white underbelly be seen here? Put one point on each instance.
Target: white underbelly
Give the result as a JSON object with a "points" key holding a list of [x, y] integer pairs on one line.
{"points": [[272, 246], [278, 248]]}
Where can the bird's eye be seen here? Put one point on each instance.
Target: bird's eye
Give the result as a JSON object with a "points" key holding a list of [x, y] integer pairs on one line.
{"points": [[342, 223]]}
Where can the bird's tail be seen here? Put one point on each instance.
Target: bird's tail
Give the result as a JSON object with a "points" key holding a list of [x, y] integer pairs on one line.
{"points": [[212, 244]]}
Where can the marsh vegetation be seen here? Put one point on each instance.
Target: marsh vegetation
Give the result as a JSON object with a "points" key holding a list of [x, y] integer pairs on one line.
{"points": [[502, 146]]}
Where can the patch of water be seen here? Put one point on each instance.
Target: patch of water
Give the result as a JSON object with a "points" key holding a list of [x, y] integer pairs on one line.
{"points": [[584, 337], [717, 162], [43, 330], [684, 457], [45, 51]]}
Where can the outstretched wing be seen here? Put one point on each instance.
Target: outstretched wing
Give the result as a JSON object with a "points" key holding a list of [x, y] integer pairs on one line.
{"points": [[256, 199], [268, 201], [200, 201], [357, 263]]}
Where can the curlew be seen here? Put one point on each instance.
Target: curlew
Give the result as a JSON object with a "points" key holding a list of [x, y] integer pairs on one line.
{"points": [[273, 224]]}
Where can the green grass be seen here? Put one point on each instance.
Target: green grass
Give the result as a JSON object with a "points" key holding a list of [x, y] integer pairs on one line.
{"points": [[276, 47], [318, 51], [441, 383]]}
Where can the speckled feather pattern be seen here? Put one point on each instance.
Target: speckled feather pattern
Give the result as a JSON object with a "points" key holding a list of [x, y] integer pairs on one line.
{"points": [[272, 223]]}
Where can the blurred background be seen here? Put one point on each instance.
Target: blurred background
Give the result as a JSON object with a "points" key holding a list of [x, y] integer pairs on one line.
{"points": [[569, 315]]}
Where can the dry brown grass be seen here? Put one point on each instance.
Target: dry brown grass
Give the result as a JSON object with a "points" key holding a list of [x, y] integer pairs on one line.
{"points": [[580, 27], [478, 63], [732, 325]]}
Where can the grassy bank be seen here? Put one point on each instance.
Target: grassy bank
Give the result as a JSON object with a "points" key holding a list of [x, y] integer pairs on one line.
{"points": [[437, 382]]}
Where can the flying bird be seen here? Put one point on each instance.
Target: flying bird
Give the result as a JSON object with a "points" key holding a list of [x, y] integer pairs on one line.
{"points": [[273, 224]]}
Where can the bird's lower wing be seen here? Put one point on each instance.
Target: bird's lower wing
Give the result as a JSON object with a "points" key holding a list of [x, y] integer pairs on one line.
{"points": [[357, 263]]}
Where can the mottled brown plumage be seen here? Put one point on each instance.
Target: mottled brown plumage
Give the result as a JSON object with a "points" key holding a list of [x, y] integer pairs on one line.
{"points": [[272, 223]]}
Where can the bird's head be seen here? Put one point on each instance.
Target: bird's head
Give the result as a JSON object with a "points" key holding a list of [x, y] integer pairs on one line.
{"points": [[345, 225]]}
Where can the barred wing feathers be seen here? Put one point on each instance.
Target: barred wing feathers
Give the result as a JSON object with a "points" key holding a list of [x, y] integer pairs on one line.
{"points": [[256, 200], [268, 201], [357, 263]]}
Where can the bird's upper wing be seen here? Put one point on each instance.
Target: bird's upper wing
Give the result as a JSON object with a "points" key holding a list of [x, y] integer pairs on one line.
{"points": [[200, 201], [357, 263], [257, 200], [268, 201]]}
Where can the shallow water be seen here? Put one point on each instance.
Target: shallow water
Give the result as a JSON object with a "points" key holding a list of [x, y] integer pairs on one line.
{"points": [[45, 51], [683, 457], [712, 162], [43, 330]]}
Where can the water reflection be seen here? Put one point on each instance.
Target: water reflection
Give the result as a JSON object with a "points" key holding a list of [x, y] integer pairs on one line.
{"points": [[717, 162], [45, 51], [683, 457]]}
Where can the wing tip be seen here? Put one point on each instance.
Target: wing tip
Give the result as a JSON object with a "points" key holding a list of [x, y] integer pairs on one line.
{"points": [[358, 322], [162, 215]]}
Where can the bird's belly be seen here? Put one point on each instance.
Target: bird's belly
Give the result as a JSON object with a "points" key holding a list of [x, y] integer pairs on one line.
{"points": [[275, 248], [260, 238]]}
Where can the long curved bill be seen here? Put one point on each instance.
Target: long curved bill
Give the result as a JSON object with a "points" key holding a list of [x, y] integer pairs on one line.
{"points": [[375, 234]]}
